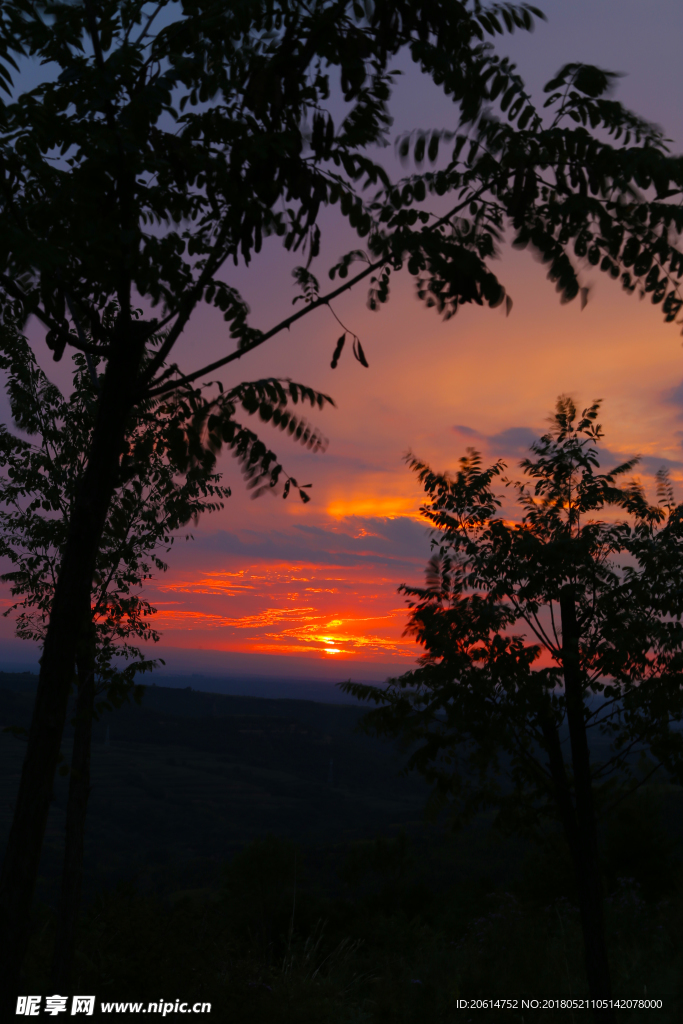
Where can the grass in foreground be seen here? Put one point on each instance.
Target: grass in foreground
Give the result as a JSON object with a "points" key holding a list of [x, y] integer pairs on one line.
{"points": [[384, 947]]}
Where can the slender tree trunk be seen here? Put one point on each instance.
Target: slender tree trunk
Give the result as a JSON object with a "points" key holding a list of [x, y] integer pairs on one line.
{"points": [[72, 595], [79, 791], [570, 825], [584, 847]]}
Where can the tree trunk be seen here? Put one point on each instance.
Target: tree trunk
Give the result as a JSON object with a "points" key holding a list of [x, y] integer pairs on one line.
{"points": [[79, 791], [72, 595], [584, 848]]}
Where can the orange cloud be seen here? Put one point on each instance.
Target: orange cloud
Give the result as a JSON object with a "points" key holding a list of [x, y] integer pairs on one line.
{"points": [[188, 618], [371, 507], [255, 609]]}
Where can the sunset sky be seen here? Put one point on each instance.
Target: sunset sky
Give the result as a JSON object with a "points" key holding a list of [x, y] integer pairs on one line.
{"points": [[275, 587]]}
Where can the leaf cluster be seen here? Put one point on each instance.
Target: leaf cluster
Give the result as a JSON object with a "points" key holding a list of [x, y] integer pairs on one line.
{"points": [[42, 475], [167, 479], [583, 182], [199, 427], [172, 140]]}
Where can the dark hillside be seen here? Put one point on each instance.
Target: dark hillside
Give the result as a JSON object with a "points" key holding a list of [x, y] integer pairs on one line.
{"points": [[183, 781], [190, 782]]}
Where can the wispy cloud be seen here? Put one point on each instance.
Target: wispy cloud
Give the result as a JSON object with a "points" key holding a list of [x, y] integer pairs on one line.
{"points": [[292, 607], [516, 442]]}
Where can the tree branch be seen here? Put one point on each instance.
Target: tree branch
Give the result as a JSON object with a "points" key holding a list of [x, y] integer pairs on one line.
{"points": [[634, 789], [17, 292], [285, 324], [184, 312], [145, 30], [82, 339]]}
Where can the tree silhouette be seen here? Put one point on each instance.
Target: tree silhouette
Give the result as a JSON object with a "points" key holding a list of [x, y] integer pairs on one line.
{"points": [[153, 501], [537, 634], [171, 139]]}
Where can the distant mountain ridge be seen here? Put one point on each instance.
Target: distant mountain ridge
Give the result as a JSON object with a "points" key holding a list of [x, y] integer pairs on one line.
{"points": [[20, 682], [238, 686]]}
